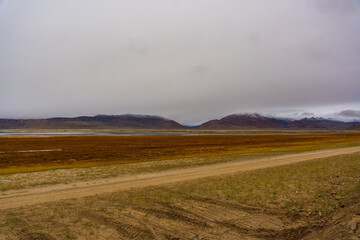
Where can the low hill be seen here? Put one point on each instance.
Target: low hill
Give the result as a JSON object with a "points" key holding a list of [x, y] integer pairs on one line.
{"points": [[128, 121]]}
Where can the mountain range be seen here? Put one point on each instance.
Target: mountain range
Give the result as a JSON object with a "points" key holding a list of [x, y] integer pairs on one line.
{"points": [[131, 121], [127, 121], [257, 121]]}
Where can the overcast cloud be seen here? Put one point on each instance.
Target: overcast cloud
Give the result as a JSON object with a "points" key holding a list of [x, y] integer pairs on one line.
{"points": [[186, 60]]}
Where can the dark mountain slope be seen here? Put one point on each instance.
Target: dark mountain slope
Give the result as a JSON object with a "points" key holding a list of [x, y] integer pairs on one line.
{"points": [[318, 123], [127, 121], [244, 121], [256, 121]]}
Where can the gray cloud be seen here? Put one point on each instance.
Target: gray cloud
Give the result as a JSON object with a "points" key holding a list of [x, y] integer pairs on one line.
{"points": [[307, 114], [200, 69], [337, 7], [188, 60], [350, 113]]}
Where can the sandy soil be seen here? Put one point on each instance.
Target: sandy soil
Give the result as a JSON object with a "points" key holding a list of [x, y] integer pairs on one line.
{"points": [[14, 199]]}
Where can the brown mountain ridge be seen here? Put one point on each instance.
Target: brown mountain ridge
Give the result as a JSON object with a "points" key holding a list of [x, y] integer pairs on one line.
{"points": [[127, 121], [257, 121]]}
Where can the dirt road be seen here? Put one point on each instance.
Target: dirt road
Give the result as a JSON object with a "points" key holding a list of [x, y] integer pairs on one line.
{"points": [[32, 196]]}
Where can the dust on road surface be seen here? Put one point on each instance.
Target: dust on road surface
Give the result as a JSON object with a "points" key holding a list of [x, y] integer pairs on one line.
{"points": [[14, 199]]}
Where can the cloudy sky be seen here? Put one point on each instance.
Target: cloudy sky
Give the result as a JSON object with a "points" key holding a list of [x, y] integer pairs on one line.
{"points": [[186, 60]]}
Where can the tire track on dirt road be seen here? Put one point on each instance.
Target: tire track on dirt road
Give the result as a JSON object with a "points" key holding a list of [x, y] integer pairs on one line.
{"points": [[82, 189]]}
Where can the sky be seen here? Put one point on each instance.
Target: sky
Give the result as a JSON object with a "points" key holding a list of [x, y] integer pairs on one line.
{"points": [[190, 61]]}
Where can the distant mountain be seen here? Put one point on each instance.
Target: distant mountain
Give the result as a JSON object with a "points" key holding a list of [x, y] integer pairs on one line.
{"points": [[128, 121], [245, 121], [256, 121], [318, 123]]}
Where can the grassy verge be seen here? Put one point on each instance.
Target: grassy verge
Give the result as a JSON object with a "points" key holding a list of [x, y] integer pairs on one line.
{"points": [[70, 175], [318, 185]]}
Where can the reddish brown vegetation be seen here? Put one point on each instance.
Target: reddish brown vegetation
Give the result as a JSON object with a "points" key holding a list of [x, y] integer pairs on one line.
{"points": [[78, 150]]}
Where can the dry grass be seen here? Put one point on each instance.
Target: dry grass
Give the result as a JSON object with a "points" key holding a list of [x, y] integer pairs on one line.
{"points": [[262, 204], [318, 185]]}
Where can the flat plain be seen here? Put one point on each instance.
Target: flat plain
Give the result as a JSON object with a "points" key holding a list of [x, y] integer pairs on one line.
{"points": [[313, 194]]}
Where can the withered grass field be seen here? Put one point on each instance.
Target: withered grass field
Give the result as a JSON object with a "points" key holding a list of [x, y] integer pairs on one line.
{"points": [[318, 199], [21, 154]]}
